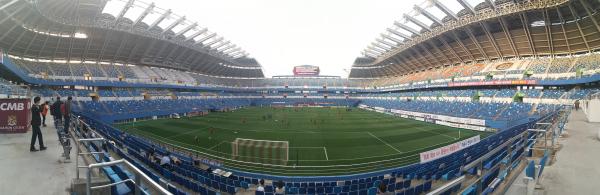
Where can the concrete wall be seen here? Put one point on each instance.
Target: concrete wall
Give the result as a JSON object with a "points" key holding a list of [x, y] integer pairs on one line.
{"points": [[591, 108]]}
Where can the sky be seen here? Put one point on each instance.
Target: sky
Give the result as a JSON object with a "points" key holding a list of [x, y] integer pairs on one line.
{"points": [[281, 34]]}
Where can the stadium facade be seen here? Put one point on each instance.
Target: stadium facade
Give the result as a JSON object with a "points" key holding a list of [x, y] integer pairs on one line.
{"points": [[500, 67]]}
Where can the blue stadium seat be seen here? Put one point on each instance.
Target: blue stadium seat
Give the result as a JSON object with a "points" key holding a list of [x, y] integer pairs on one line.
{"points": [[372, 191]]}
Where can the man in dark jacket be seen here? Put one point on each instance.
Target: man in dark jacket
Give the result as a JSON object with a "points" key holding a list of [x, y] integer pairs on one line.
{"points": [[66, 111], [56, 109], [36, 121]]}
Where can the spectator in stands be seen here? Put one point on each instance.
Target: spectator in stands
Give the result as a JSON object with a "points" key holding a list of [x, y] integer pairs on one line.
{"points": [[66, 111], [85, 130], [143, 153], [279, 188], [36, 121], [105, 146], [261, 185], [151, 154], [165, 161], [175, 160], [382, 188], [112, 143], [44, 112], [55, 109]]}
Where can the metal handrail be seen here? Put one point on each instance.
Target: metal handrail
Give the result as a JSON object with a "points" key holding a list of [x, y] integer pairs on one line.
{"points": [[139, 175], [18, 91], [593, 96], [491, 153], [447, 186], [112, 184], [79, 153]]}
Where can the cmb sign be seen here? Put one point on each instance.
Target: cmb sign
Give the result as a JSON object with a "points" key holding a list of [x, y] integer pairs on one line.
{"points": [[14, 115]]}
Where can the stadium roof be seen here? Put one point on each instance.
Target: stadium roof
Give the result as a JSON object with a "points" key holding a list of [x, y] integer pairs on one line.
{"points": [[118, 31], [441, 33]]}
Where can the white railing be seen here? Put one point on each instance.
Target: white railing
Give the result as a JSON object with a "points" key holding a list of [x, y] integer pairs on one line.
{"points": [[140, 178], [593, 96], [15, 91]]}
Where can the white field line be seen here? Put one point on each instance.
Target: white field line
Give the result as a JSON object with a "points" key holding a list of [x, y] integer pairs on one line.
{"points": [[185, 133], [307, 147], [384, 142], [216, 145], [325, 149]]}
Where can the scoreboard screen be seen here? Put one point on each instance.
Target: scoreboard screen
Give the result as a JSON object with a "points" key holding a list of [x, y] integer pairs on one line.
{"points": [[306, 70]]}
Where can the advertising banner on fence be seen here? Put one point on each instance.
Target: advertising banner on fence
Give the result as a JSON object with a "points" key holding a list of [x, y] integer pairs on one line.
{"points": [[449, 149], [435, 117], [498, 82], [14, 115]]}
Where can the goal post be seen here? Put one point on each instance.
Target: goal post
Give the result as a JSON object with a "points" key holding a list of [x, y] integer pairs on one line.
{"points": [[260, 151]]}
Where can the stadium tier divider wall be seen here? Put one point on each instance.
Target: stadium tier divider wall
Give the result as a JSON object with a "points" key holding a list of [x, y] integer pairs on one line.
{"points": [[589, 76]]}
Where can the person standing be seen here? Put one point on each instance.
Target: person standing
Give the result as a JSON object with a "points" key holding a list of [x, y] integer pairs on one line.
{"points": [[44, 112], [55, 109], [66, 111], [36, 121]]}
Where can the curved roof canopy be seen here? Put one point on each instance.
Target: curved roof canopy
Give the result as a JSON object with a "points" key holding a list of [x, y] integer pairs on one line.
{"points": [[440, 33], [119, 31]]}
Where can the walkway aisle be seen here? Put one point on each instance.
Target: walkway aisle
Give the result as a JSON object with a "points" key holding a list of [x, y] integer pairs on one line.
{"points": [[25, 172], [577, 169], [577, 166]]}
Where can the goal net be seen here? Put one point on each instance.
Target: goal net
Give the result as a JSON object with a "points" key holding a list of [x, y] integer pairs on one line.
{"points": [[260, 151]]}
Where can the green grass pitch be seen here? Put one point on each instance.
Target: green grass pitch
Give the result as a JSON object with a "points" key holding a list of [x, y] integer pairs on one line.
{"points": [[322, 141]]}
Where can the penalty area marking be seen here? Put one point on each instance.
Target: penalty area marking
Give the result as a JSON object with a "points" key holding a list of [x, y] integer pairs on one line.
{"points": [[313, 147], [384, 142], [216, 145], [302, 147]]}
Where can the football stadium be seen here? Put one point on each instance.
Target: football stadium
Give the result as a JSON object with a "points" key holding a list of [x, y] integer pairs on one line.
{"points": [[454, 97]]}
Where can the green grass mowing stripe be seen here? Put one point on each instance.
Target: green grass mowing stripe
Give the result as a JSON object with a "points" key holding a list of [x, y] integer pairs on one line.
{"points": [[186, 133]]}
